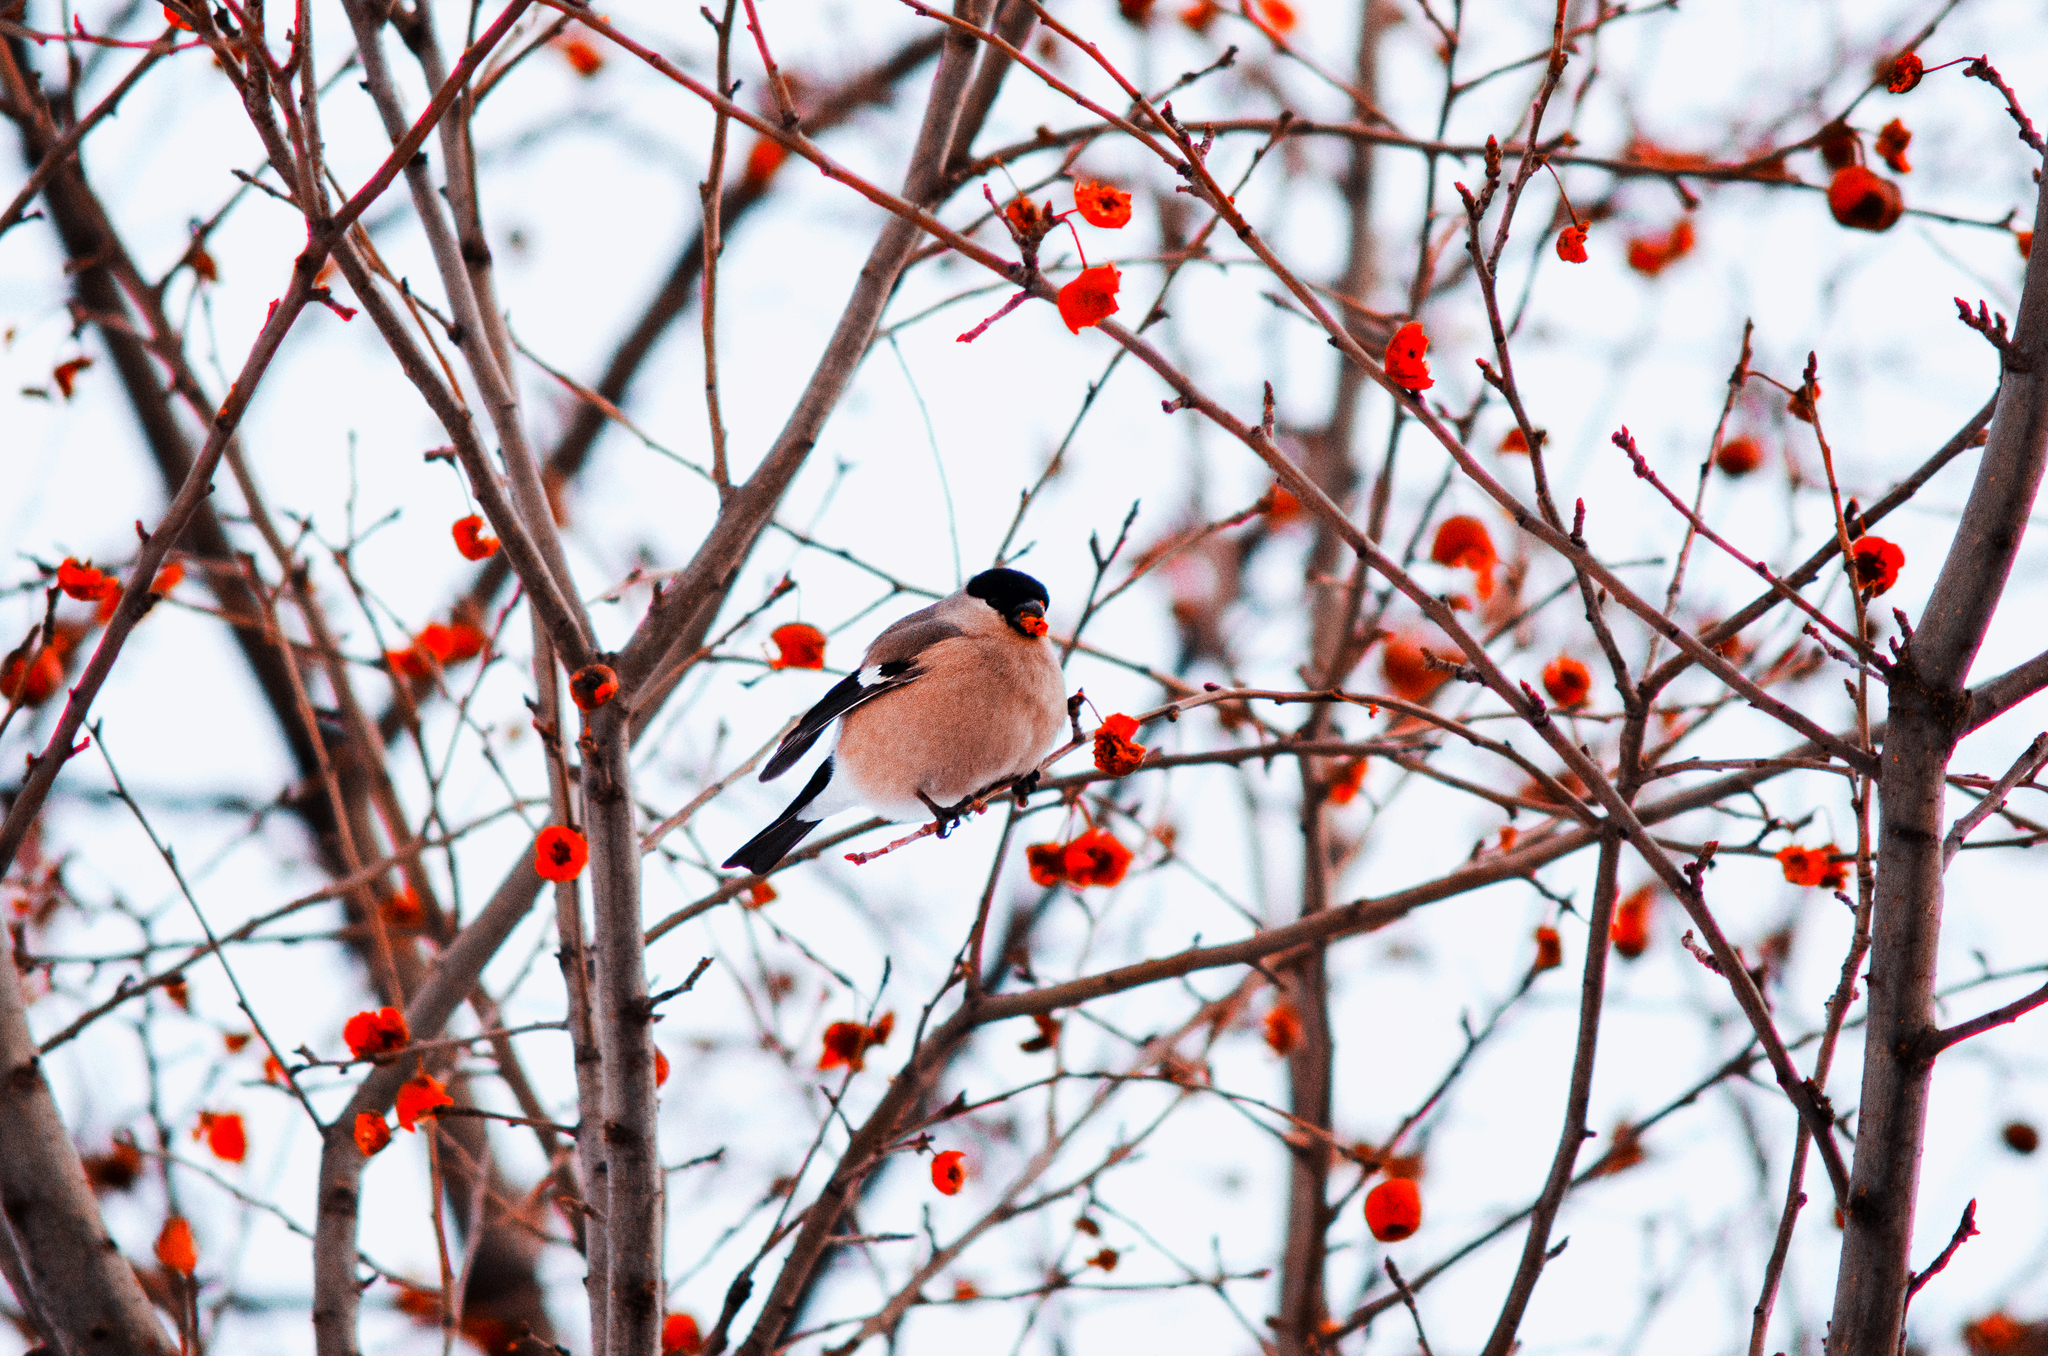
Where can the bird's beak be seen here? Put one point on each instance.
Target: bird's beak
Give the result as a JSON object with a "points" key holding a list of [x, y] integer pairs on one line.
{"points": [[1030, 619]]}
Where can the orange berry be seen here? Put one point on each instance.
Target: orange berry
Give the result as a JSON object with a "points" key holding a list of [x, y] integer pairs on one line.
{"points": [[1463, 542], [1047, 863], [1048, 1033], [1350, 778], [1393, 1210], [1567, 681], [32, 681], [1875, 563], [1813, 866], [848, 1042], [593, 685], [1630, 931], [679, 1335], [1863, 200], [1739, 456], [762, 161], [1650, 255], [948, 1174], [85, 583], [584, 58], [559, 854], [1837, 143], [1405, 664], [114, 1170], [175, 1248], [224, 1135], [1892, 140], [1283, 1028]]}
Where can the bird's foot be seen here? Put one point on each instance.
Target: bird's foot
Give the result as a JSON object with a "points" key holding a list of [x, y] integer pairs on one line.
{"points": [[945, 818], [948, 817], [1023, 787]]}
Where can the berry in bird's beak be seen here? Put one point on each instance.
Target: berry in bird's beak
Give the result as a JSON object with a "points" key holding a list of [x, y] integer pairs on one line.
{"points": [[1030, 619]]}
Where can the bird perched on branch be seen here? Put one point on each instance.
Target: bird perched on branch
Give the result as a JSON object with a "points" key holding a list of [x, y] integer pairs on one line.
{"points": [[948, 703]]}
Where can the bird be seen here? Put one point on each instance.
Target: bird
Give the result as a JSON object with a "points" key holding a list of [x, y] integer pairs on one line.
{"points": [[948, 703]]}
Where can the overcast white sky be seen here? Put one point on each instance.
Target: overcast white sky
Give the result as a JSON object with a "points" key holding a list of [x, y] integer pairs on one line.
{"points": [[591, 187]]}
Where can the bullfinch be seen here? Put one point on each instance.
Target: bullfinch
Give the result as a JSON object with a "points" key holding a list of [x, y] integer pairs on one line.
{"points": [[947, 703]]}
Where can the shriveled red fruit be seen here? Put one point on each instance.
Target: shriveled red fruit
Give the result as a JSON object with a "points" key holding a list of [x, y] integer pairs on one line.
{"points": [[420, 1097], [1090, 298], [1115, 752], [375, 1033], [371, 1133], [470, 539], [1097, 857], [1102, 204]]}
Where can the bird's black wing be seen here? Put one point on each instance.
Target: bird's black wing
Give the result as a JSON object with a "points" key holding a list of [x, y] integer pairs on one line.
{"points": [[862, 685]]}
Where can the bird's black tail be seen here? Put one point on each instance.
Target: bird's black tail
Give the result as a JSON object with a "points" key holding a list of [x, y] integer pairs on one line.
{"points": [[771, 844], [761, 852]]}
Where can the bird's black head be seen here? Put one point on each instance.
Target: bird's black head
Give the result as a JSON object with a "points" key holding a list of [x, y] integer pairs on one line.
{"points": [[1020, 598]]}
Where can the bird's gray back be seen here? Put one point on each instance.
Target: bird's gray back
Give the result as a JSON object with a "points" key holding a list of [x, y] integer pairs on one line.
{"points": [[906, 637]]}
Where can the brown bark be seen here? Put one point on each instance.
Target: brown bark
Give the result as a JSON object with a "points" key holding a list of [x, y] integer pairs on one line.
{"points": [[1929, 712], [80, 1285], [503, 1281], [1332, 463]]}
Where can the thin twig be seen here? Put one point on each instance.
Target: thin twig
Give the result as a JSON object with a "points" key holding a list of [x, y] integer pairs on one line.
{"points": [[2023, 768]]}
